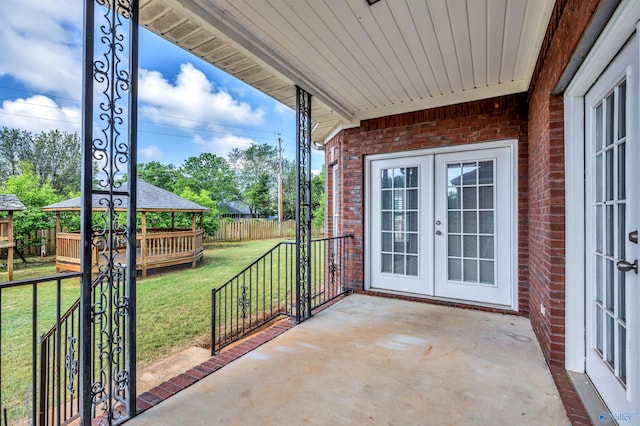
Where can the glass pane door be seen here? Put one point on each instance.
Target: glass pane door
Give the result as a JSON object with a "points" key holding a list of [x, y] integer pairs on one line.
{"points": [[474, 239], [471, 222], [609, 211], [400, 230]]}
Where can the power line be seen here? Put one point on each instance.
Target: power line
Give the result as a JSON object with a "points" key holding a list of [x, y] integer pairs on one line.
{"points": [[206, 132]]}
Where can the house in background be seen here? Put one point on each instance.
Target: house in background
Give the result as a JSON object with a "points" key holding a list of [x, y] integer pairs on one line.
{"points": [[482, 153], [236, 210]]}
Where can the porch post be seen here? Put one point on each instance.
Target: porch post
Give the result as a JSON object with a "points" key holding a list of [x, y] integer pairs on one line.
{"points": [[10, 248], [194, 225], [143, 245], [107, 342], [303, 205]]}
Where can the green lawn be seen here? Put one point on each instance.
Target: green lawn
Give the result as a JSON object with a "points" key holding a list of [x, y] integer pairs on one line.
{"points": [[173, 312]]}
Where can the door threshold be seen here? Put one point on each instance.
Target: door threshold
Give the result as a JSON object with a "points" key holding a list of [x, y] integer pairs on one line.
{"points": [[593, 404], [419, 297]]}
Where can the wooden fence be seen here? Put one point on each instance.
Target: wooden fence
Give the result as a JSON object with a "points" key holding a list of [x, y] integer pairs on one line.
{"points": [[245, 230], [50, 244]]}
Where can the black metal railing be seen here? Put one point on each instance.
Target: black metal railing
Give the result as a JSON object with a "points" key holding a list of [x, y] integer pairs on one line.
{"points": [[23, 373], [59, 361], [266, 289]]}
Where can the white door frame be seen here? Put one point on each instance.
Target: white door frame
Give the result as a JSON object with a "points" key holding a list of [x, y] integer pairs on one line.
{"points": [[619, 29], [509, 143]]}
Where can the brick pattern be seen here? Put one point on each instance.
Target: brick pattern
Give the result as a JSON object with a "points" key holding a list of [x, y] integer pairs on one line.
{"points": [[570, 399], [480, 121], [546, 237]]}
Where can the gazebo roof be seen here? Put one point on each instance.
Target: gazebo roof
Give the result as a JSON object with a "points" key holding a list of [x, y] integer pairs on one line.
{"points": [[10, 203], [150, 198]]}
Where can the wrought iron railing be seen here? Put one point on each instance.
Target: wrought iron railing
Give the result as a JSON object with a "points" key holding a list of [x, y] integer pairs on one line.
{"points": [[266, 289], [24, 375], [59, 363]]}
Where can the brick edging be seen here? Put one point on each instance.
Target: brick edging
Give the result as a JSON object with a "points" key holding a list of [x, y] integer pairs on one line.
{"points": [[572, 403]]}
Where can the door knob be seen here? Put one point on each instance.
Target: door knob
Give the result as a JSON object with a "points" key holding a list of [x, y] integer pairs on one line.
{"points": [[625, 266], [438, 232]]}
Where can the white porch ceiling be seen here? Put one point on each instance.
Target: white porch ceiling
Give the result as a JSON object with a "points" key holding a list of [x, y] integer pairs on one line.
{"points": [[361, 61]]}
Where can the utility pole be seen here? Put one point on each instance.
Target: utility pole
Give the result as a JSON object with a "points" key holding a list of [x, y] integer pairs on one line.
{"points": [[280, 210]]}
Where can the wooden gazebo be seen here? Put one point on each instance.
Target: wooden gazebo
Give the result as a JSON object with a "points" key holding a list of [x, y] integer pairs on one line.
{"points": [[155, 247], [8, 203]]}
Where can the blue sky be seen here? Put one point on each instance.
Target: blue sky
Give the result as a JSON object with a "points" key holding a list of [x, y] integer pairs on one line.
{"points": [[186, 105]]}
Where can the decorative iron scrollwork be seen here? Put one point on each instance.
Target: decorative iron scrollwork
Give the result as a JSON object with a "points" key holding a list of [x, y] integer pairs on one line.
{"points": [[110, 103], [303, 208], [244, 302], [332, 268], [71, 363]]}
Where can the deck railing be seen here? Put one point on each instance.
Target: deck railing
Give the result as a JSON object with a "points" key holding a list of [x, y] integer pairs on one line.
{"points": [[158, 248], [266, 289], [52, 366], [4, 229]]}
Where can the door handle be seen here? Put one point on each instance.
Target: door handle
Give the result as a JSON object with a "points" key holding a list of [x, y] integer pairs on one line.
{"points": [[438, 232], [625, 266]]}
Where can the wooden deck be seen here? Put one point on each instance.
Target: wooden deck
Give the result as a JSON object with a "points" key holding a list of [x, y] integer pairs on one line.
{"points": [[155, 250]]}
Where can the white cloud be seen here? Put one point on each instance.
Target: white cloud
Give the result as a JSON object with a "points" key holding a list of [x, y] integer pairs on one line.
{"points": [[223, 145], [39, 113], [151, 152], [192, 101], [42, 45]]}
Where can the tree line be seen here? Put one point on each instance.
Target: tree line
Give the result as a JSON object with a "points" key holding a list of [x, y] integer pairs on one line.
{"points": [[44, 168]]}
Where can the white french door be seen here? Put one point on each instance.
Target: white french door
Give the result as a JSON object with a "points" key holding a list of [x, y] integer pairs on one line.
{"points": [[401, 222], [442, 225], [612, 215], [474, 220]]}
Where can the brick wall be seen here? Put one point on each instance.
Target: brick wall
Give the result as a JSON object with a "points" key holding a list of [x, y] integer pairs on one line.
{"points": [[541, 179], [480, 121], [547, 179]]}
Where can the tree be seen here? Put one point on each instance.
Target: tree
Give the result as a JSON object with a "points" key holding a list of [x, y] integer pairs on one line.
{"points": [[210, 173], [54, 157], [317, 198], [256, 168], [258, 197], [204, 198], [317, 194], [288, 190], [34, 195], [251, 163], [165, 176], [12, 146]]}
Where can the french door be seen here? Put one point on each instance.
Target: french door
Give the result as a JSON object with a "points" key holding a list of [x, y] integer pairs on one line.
{"points": [[612, 218], [442, 225]]}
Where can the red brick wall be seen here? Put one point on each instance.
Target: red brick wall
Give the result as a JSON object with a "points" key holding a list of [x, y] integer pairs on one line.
{"points": [[547, 179], [541, 179], [480, 121]]}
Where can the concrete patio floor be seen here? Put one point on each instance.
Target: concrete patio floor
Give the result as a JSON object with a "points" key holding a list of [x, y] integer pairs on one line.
{"points": [[372, 360]]}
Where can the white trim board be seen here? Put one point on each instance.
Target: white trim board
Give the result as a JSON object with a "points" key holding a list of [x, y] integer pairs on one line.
{"points": [[620, 28]]}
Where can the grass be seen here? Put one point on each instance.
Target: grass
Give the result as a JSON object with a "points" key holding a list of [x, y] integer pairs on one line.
{"points": [[173, 312]]}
